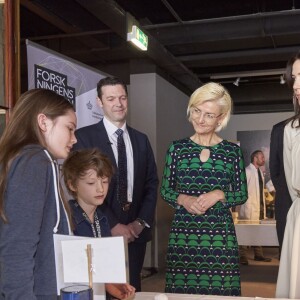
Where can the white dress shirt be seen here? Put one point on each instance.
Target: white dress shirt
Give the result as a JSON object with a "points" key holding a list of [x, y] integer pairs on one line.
{"points": [[111, 132]]}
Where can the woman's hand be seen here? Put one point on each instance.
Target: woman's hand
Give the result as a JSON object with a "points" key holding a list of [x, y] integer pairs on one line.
{"points": [[120, 291], [191, 204], [209, 199]]}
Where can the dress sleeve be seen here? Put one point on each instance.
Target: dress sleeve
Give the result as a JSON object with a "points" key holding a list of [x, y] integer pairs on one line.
{"points": [[169, 181], [238, 193]]}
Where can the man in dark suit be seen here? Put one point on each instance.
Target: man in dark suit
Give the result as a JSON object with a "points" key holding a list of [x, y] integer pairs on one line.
{"points": [[133, 216], [283, 199]]}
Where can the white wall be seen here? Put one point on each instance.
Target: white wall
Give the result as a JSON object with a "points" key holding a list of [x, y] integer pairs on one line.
{"points": [[142, 104], [172, 124], [142, 116], [248, 122], [158, 109]]}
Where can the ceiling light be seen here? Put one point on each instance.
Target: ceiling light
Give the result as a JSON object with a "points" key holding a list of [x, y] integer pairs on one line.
{"points": [[237, 81], [242, 74], [282, 80], [138, 37]]}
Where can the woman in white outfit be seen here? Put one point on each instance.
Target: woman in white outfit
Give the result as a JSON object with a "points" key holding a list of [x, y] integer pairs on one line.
{"points": [[289, 269]]}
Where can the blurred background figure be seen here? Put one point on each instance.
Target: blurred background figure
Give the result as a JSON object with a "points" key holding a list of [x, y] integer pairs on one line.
{"points": [[255, 206]]}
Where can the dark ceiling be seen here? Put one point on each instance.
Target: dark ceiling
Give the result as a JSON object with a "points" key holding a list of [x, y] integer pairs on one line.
{"points": [[190, 42]]}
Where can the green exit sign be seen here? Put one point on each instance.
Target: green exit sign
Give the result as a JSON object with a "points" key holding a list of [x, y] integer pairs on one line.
{"points": [[142, 37], [138, 37]]}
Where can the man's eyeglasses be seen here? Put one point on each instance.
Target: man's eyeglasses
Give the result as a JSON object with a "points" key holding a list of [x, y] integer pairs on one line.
{"points": [[208, 117]]}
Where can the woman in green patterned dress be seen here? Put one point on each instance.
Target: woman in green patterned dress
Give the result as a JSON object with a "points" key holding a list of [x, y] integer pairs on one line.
{"points": [[204, 177]]}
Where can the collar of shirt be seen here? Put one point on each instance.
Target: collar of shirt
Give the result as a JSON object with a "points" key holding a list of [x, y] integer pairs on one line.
{"points": [[111, 129], [77, 213]]}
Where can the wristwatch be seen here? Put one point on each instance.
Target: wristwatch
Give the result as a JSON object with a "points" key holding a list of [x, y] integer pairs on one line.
{"points": [[141, 222]]}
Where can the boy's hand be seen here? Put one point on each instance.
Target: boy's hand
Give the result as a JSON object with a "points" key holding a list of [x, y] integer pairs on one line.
{"points": [[120, 291]]}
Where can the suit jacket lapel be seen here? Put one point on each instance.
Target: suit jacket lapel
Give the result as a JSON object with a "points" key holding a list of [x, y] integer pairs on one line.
{"points": [[135, 152]]}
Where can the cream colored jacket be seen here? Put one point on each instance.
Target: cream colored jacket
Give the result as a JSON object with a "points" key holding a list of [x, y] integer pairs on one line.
{"points": [[250, 210], [289, 269]]}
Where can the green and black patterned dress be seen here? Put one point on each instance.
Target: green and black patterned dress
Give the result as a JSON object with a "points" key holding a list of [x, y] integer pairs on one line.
{"points": [[202, 253]]}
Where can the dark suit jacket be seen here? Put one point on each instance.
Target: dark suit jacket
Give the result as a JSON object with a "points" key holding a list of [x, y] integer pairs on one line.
{"points": [[145, 176], [283, 200]]}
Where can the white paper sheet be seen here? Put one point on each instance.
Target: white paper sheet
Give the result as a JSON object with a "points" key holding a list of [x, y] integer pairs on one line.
{"points": [[109, 256], [108, 259]]}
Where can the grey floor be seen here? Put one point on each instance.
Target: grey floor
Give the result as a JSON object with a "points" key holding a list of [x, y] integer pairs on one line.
{"points": [[258, 278]]}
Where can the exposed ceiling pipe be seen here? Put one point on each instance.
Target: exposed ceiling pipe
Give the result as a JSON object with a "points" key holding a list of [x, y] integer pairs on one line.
{"points": [[51, 18], [236, 57], [222, 19], [229, 29], [254, 73], [172, 11], [108, 12], [69, 35]]}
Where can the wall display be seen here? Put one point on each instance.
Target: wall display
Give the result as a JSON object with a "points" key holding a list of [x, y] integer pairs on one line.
{"points": [[75, 81]]}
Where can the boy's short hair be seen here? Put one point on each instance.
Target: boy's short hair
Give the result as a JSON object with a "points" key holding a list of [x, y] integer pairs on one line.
{"points": [[80, 161]]}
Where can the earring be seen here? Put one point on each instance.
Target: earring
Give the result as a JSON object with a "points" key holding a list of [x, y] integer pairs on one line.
{"points": [[219, 124]]}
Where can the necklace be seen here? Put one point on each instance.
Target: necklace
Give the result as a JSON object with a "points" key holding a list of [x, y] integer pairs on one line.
{"points": [[95, 226]]}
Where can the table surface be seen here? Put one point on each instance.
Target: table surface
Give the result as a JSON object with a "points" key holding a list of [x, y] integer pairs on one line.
{"points": [[256, 222], [254, 233], [166, 296]]}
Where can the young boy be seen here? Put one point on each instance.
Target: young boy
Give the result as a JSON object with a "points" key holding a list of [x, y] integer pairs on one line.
{"points": [[87, 174]]}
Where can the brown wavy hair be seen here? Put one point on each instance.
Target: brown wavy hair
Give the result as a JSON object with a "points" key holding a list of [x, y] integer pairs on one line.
{"points": [[23, 129], [80, 161]]}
